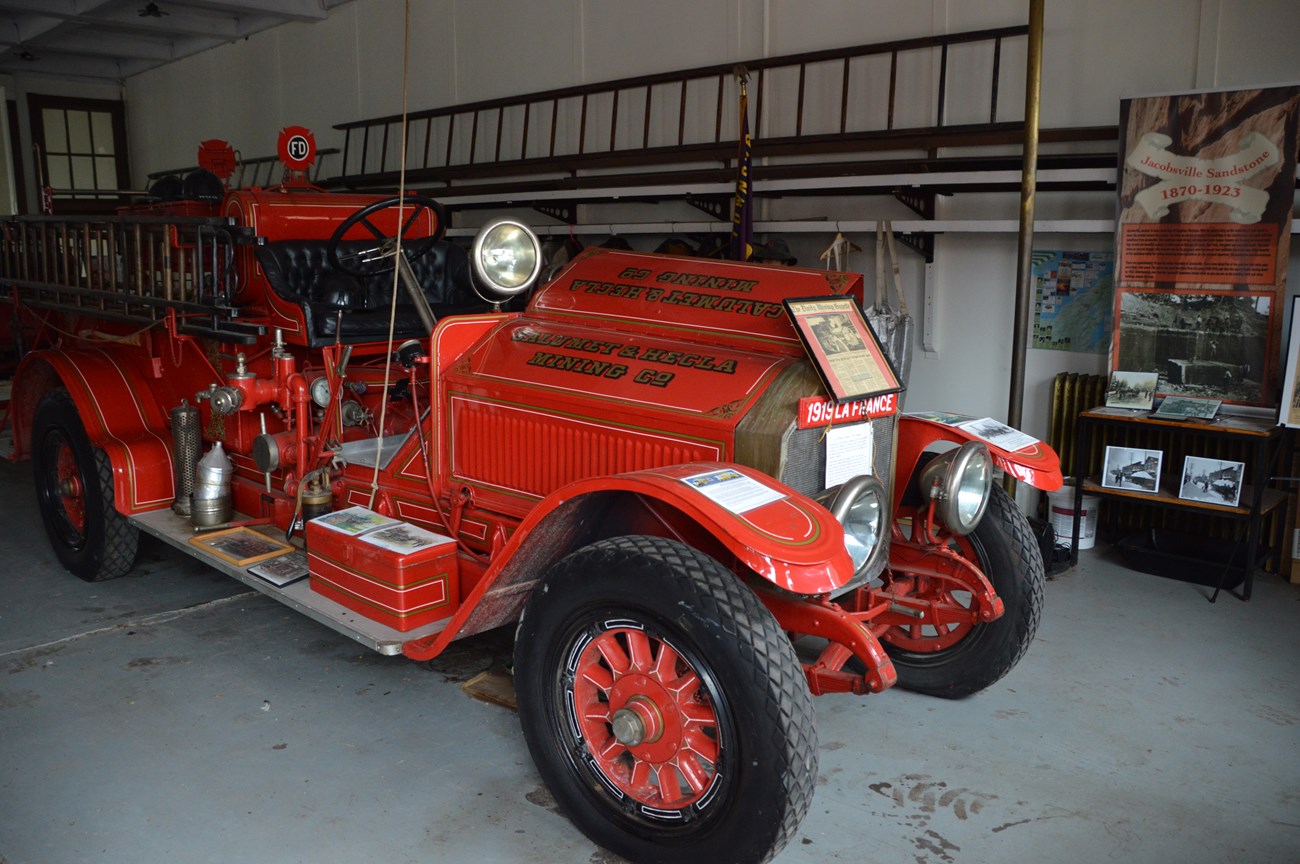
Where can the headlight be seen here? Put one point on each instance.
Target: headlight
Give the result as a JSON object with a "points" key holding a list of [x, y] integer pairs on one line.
{"points": [[859, 505], [507, 257], [959, 482]]}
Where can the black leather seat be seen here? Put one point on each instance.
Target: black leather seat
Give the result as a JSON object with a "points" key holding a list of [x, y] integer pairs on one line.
{"points": [[299, 271]]}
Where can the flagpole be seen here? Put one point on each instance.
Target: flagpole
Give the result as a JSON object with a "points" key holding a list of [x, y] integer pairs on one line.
{"points": [[742, 206]]}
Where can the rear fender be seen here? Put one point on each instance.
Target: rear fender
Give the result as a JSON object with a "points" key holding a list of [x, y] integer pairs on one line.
{"points": [[1038, 465], [791, 541], [118, 409]]}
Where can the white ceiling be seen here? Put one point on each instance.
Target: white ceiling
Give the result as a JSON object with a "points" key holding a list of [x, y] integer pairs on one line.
{"points": [[114, 39]]}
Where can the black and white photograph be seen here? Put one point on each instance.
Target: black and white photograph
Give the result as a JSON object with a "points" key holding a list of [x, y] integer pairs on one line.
{"points": [[404, 539], [1187, 408], [1132, 468], [1213, 481], [1208, 345], [283, 570], [1135, 390], [354, 520]]}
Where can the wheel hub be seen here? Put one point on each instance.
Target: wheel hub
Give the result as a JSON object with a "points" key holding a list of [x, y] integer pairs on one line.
{"points": [[638, 722], [645, 720]]}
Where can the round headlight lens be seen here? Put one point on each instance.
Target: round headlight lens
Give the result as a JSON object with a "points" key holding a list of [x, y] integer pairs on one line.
{"points": [[859, 505], [862, 527], [507, 256], [972, 490], [959, 482]]}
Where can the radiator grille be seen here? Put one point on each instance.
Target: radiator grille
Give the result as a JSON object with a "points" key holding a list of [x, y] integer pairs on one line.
{"points": [[533, 453], [803, 457]]}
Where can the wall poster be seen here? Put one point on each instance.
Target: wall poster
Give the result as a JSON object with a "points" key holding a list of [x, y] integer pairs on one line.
{"points": [[1073, 297], [1206, 189]]}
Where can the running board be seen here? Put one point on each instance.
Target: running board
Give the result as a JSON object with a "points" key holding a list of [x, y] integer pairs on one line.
{"points": [[177, 531]]}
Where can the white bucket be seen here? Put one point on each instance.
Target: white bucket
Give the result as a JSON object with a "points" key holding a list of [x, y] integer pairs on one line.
{"points": [[1060, 513]]}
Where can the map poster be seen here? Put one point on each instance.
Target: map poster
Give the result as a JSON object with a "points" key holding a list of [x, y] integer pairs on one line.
{"points": [[1073, 296], [1203, 234]]}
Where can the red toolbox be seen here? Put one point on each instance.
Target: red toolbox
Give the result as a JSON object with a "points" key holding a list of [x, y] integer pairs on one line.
{"points": [[387, 570]]}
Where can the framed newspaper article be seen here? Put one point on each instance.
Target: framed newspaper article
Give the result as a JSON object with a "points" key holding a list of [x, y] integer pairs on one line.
{"points": [[843, 347]]}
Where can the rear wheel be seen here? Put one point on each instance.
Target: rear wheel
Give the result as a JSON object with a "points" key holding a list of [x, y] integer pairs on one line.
{"points": [[960, 659], [664, 707], [74, 488]]}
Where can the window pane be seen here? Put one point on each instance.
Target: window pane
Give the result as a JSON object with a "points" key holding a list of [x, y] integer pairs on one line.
{"points": [[83, 172], [101, 126], [105, 172], [56, 139], [79, 131], [60, 172]]}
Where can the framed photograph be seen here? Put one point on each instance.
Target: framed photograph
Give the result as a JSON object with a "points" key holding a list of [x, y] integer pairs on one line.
{"points": [[241, 546], [1213, 481], [1187, 408], [1132, 468], [1136, 390], [283, 570], [1289, 415], [843, 347]]}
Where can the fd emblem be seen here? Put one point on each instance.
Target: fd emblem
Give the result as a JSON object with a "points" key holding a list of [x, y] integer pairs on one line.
{"points": [[297, 148]]}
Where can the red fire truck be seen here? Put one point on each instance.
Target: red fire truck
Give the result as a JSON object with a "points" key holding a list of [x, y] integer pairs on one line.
{"points": [[629, 463]]}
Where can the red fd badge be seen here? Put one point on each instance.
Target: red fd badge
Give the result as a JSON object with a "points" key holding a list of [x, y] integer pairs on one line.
{"points": [[218, 157], [297, 148]]}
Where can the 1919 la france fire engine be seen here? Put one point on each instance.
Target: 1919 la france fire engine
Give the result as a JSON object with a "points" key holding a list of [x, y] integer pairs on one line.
{"points": [[627, 462]]}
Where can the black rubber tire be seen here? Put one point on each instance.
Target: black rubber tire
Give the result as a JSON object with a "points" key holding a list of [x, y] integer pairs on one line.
{"points": [[105, 546], [1009, 556], [767, 761]]}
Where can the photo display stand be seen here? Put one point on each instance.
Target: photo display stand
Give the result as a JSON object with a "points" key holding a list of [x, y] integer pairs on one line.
{"points": [[843, 347]]}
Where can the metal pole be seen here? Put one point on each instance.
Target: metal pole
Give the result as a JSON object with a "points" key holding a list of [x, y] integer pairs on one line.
{"points": [[1028, 177]]}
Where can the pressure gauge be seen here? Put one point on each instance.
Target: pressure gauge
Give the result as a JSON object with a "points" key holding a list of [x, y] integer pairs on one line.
{"points": [[320, 391]]}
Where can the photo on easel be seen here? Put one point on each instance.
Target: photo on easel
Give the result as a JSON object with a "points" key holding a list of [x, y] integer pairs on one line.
{"points": [[1132, 390], [1212, 481], [1132, 468]]}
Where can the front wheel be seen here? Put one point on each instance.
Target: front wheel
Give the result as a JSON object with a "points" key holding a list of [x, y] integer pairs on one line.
{"points": [[663, 705], [958, 660], [74, 488]]}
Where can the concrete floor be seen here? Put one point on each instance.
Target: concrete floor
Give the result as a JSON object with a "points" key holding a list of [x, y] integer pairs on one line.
{"points": [[173, 715]]}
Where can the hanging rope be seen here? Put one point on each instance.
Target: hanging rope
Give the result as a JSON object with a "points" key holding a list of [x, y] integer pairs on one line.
{"points": [[397, 254]]}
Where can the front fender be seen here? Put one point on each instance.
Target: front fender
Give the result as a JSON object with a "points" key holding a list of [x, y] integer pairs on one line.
{"points": [[786, 538], [118, 411], [1038, 465]]}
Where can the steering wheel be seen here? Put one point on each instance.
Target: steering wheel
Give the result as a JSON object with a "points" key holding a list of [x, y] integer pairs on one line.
{"points": [[382, 257]]}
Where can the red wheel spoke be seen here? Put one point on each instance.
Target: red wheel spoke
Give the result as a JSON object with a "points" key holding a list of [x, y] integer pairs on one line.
{"points": [[614, 654], [697, 777], [598, 676], [641, 778], [610, 749], [702, 745], [670, 787], [639, 651], [665, 668], [596, 712]]}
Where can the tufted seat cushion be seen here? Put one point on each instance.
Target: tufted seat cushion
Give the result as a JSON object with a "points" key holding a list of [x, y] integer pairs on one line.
{"points": [[299, 271]]}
